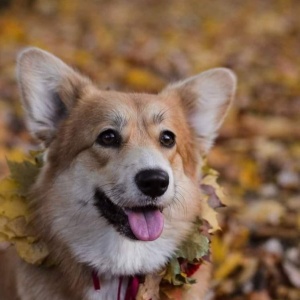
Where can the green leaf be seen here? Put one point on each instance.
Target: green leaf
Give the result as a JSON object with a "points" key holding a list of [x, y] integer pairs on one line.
{"points": [[173, 269], [191, 251], [174, 274], [24, 173], [196, 245], [194, 248]]}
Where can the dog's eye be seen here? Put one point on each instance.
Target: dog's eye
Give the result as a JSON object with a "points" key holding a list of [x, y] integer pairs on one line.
{"points": [[167, 139], [109, 138]]}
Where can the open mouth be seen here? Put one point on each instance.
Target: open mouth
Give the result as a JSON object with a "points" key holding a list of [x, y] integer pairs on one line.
{"points": [[143, 223]]}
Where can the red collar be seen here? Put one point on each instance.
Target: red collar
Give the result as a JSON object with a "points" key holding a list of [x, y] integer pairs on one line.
{"points": [[134, 281], [132, 287]]}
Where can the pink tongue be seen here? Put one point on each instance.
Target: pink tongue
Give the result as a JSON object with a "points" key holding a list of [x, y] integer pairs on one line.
{"points": [[146, 225]]}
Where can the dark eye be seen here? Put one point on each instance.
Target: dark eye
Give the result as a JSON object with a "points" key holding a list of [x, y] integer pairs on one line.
{"points": [[167, 139], [109, 138]]}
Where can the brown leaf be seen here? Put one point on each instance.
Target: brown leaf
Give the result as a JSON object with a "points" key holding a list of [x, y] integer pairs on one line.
{"points": [[213, 200]]}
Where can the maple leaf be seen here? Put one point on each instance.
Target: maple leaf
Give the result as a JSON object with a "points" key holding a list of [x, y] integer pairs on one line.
{"points": [[194, 248]]}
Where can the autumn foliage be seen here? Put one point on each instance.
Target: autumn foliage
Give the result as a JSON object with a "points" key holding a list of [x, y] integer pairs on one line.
{"points": [[140, 46]]}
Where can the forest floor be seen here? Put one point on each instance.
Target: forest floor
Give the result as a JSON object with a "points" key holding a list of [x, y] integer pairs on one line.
{"points": [[141, 46]]}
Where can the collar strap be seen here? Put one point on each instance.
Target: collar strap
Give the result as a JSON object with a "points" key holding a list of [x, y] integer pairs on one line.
{"points": [[96, 281], [132, 287]]}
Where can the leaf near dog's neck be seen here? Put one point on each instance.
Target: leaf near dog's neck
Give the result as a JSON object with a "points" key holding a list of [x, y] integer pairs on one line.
{"points": [[14, 208]]}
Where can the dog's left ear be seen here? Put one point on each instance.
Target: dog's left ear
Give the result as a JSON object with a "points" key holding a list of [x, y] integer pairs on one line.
{"points": [[205, 99], [49, 89]]}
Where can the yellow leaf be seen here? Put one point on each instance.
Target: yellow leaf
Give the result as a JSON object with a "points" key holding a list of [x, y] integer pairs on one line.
{"points": [[219, 250], [4, 230], [18, 227], [14, 207], [14, 210], [33, 253], [211, 179], [210, 215], [231, 262], [7, 187], [17, 155], [249, 175]]}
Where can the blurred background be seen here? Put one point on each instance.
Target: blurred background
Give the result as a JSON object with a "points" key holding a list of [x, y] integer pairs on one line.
{"points": [[140, 45]]}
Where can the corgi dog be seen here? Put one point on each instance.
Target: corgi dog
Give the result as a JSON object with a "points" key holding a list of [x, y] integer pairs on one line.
{"points": [[119, 188]]}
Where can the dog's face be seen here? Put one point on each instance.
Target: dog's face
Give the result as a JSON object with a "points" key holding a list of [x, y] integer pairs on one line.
{"points": [[120, 186]]}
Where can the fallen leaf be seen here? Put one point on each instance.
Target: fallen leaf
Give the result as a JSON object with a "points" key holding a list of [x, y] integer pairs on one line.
{"points": [[232, 261]]}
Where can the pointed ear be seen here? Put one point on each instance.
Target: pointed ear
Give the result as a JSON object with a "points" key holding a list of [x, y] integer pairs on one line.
{"points": [[206, 98], [49, 89]]}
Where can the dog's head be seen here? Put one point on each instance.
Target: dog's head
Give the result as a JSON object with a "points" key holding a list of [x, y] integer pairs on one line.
{"points": [[120, 186]]}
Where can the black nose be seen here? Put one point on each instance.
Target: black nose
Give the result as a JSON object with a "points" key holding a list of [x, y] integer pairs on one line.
{"points": [[152, 182]]}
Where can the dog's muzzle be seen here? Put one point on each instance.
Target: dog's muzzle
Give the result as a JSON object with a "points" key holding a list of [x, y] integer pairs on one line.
{"points": [[143, 223]]}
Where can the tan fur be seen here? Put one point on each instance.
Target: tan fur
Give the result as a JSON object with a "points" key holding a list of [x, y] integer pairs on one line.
{"points": [[67, 112]]}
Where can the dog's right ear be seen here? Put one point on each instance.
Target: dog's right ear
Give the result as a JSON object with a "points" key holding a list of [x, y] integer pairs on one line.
{"points": [[49, 90]]}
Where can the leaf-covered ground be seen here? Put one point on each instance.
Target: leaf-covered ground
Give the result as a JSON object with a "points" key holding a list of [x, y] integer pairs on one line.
{"points": [[142, 44]]}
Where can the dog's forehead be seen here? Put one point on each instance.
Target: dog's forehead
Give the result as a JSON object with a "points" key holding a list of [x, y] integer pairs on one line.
{"points": [[118, 108]]}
